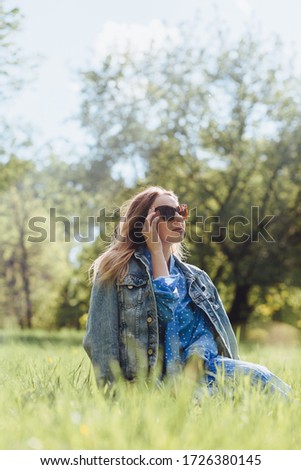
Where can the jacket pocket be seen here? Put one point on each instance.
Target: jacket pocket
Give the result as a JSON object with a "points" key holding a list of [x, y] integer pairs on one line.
{"points": [[131, 291]]}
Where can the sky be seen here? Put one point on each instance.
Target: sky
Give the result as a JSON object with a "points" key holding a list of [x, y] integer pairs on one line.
{"points": [[68, 34]]}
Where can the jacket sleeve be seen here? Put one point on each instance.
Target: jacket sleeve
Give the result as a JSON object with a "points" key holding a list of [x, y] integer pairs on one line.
{"points": [[101, 339]]}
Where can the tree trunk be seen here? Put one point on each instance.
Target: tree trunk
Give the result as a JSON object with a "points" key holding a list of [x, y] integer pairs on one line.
{"points": [[240, 310], [25, 278], [16, 307]]}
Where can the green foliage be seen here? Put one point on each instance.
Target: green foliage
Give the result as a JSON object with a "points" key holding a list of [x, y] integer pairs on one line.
{"points": [[10, 58], [74, 298], [31, 271], [217, 122], [11, 171], [12, 165], [47, 378], [279, 302]]}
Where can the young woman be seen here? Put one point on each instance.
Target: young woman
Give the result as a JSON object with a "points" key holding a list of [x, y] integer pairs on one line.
{"points": [[149, 310]]}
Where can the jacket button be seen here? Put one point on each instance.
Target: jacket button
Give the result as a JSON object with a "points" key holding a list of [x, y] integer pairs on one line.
{"points": [[149, 319], [150, 351]]}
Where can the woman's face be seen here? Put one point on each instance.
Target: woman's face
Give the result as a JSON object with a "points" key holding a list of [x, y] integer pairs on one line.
{"points": [[171, 231]]}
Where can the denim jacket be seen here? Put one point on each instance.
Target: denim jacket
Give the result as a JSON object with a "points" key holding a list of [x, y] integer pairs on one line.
{"points": [[122, 325]]}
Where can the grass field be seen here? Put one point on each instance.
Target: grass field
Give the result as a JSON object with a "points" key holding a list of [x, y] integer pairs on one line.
{"points": [[49, 400]]}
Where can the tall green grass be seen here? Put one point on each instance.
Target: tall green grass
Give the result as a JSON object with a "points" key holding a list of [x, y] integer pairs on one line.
{"points": [[49, 400]]}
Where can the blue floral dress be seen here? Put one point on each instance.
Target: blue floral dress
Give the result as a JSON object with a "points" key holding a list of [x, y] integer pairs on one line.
{"points": [[185, 330]]}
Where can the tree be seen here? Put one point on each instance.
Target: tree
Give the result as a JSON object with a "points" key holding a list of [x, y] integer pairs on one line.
{"points": [[218, 123], [32, 270], [11, 80], [10, 57]]}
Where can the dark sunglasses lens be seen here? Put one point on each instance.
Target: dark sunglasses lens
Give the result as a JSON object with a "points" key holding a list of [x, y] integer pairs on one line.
{"points": [[166, 212], [169, 213]]}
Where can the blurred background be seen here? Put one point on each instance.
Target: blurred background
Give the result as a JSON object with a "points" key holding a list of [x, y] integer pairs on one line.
{"points": [[100, 99]]}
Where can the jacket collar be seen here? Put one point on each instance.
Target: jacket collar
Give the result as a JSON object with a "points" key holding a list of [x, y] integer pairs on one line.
{"points": [[141, 254]]}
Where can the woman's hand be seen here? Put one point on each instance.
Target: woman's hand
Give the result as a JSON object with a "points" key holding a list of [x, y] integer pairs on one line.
{"points": [[154, 243], [150, 231]]}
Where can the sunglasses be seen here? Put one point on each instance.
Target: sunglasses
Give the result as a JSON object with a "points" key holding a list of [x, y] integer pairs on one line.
{"points": [[169, 212]]}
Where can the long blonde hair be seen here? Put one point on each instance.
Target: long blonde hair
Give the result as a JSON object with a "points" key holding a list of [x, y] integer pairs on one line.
{"points": [[112, 265]]}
